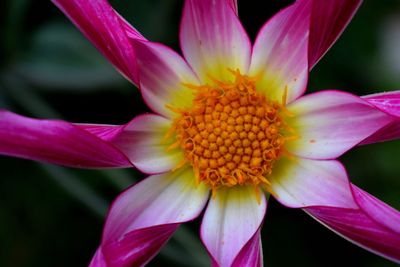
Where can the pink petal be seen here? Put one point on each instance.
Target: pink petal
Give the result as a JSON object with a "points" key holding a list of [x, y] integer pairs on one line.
{"points": [[106, 30], [104, 132], [329, 123], [234, 5], [356, 226], [251, 254], [377, 210], [164, 76], [231, 220], [390, 103], [56, 142], [143, 217], [98, 259], [213, 39], [329, 18], [138, 247], [280, 53], [143, 141], [298, 182]]}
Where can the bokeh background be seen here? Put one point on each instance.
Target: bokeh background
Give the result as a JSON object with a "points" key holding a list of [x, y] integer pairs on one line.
{"points": [[53, 216]]}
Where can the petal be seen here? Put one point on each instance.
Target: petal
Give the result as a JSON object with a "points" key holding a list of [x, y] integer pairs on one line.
{"points": [[102, 131], [329, 18], [143, 141], [98, 259], [106, 30], [357, 227], [377, 210], [163, 75], [213, 39], [298, 182], [56, 142], [143, 217], [231, 220], [279, 57], [331, 122], [388, 102], [251, 254]]}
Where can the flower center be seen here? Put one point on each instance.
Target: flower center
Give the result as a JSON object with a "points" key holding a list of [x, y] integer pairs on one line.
{"points": [[231, 135]]}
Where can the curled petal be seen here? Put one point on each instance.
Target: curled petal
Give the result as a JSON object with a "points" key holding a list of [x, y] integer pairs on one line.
{"points": [[329, 18], [232, 218], [143, 217], [298, 182], [213, 39], [56, 142], [279, 58], [164, 78], [106, 29], [329, 123]]}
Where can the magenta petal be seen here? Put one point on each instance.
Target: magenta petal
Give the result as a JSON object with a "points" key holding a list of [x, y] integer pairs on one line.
{"points": [[329, 18], [358, 227], [377, 210], [138, 247], [56, 142], [108, 32], [390, 103], [104, 132], [251, 255], [98, 259]]}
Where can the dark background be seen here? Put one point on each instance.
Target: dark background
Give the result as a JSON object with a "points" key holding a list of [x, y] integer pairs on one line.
{"points": [[53, 216]]}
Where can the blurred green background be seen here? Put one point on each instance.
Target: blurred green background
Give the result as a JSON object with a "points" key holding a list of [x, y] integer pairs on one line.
{"points": [[53, 216]]}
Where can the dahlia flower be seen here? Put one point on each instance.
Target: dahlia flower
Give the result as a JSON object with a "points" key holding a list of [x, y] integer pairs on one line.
{"points": [[231, 127]]}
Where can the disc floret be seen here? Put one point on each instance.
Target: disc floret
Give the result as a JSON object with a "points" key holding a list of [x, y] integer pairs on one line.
{"points": [[231, 135]]}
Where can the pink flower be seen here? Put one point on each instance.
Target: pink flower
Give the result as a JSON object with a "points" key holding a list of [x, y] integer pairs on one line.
{"points": [[232, 128]]}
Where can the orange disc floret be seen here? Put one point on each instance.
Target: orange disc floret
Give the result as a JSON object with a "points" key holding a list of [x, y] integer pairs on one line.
{"points": [[231, 135]]}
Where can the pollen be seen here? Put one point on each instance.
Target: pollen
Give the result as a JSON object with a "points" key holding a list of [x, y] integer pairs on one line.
{"points": [[231, 135]]}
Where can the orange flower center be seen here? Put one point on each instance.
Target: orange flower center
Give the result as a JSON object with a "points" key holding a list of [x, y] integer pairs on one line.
{"points": [[231, 135]]}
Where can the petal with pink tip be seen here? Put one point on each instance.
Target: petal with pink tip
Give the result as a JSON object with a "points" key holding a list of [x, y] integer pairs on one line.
{"points": [[252, 254], [144, 142], [164, 78], [377, 210], [231, 220], [213, 39], [167, 198], [143, 217], [329, 18], [329, 123], [359, 228], [298, 182], [279, 59], [56, 142], [106, 29]]}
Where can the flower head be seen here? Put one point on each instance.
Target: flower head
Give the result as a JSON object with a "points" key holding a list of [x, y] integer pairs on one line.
{"points": [[232, 128]]}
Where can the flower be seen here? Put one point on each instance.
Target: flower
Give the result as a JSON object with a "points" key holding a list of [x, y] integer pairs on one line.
{"points": [[232, 128]]}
